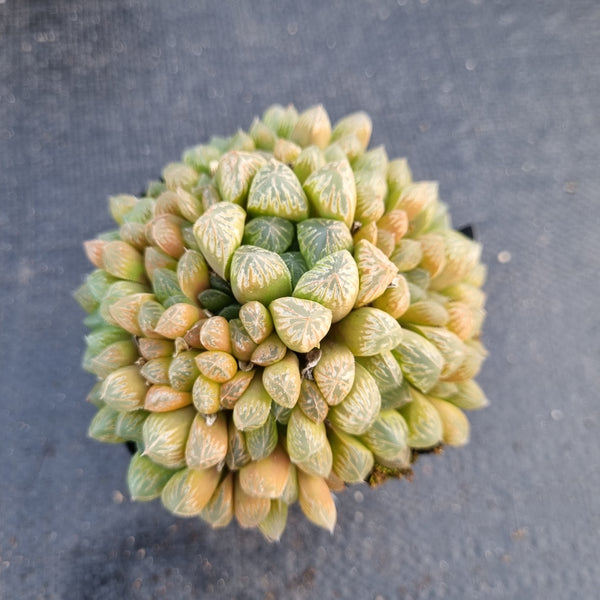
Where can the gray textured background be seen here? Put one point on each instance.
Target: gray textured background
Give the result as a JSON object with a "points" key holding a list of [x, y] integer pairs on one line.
{"points": [[499, 101]]}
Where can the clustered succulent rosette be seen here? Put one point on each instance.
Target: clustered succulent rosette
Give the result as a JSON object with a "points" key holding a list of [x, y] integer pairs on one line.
{"points": [[286, 312]]}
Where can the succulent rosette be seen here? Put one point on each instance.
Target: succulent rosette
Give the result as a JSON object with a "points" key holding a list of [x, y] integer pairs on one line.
{"points": [[286, 312]]}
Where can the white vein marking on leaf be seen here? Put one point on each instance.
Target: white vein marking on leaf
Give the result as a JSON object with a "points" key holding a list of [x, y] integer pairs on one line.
{"points": [[253, 272]]}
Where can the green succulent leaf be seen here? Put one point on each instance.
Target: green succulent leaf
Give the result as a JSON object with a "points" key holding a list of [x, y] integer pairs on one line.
{"points": [[271, 233], [300, 324], [319, 238], [259, 274], [219, 232], [332, 282], [276, 192]]}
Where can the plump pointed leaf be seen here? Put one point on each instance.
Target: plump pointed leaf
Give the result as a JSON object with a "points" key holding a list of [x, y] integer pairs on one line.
{"points": [[218, 512], [332, 192], [301, 324], [271, 233], [206, 444], [104, 424], [234, 175], [163, 398], [359, 409], [318, 238], [455, 425], [312, 402], [468, 396], [130, 425], [334, 373], [217, 365], [124, 389], [146, 479], [257, 320], [268, 477], [368, 331], [219, 233], [376, 272], [192, 274], [261, 441], [242, 345], [309, 160], [183, 371], [231, 390], [358, 123], [296, 266], [387, 438], [332, 282], [450, 346], [269, 352], [352, 460], [252, 409], [165, 436], [273, 524], [304, 436], [421, 362], [176, 320], [276, 192], [282, 380], [259, 274], [316, 501], [395, 300], [189, 490], [206, 395], [123, 261], [312, 127], [125, 312], [249, 510], [237, 453], [384, 368], [425, 428], [216, 335], [371, 190]]}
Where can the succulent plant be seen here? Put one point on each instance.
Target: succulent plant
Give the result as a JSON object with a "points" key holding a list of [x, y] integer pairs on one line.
{"points": [[284, 313]]}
